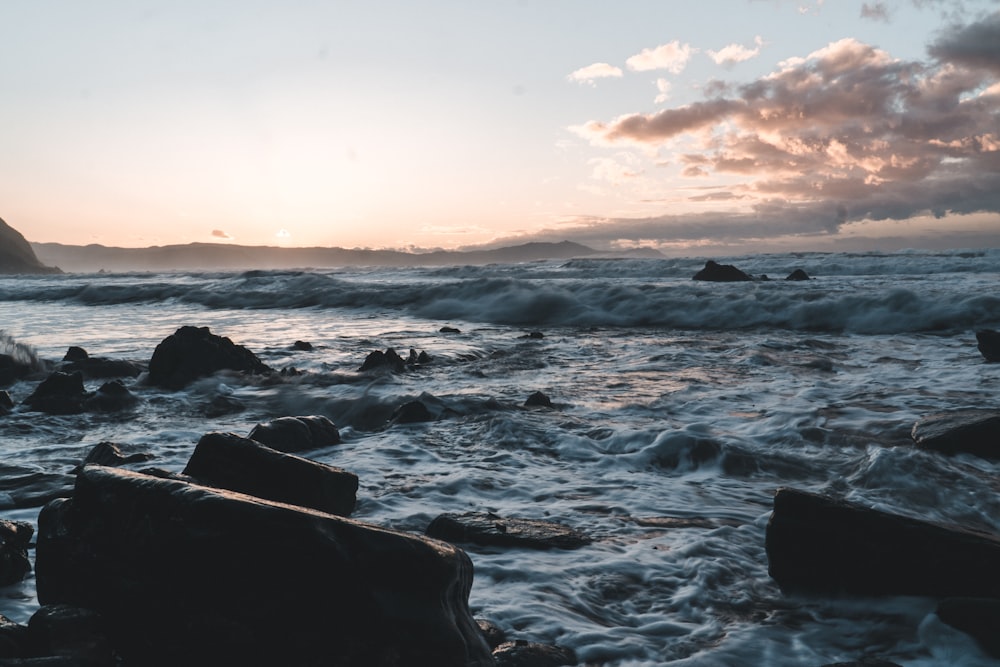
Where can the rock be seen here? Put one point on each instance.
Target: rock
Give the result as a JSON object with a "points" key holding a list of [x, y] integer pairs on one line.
{"points": [[187, 575], [412, 412], [534, 335], [720, 273], [302, 346], [75, 353], [109, 454], [449, 330], [816, 544], [14, 641], [522, 653], [111, 397], [14, 539], [100, 367], [378, 360], [976, 617], [59, 394], [864, 662], [194, 352], [488, 529], [538, 399], [65, 631], [970, 431], [492, 633], [6, 402], [16, 255], [227, 461], [988, 342], [797, 274], [222, 404], [296, 434]]}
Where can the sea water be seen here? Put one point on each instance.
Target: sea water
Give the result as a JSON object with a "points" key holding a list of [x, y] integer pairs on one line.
{"points": [[679, 407]]}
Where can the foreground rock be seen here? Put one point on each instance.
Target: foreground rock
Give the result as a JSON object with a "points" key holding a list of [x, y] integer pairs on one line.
{"points": [[16, 255], [187, 575], [195, 352], [988, 342], [523, 653], [59, 394], [716, 272], [296, 434], [14, 539], [488, 529], [227, 461], [969, 431], [816, 544]]}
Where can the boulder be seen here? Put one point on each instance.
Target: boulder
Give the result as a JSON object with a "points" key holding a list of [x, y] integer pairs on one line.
{"points": [[227, 461], [521, 653], [14, 539], [188, 575], [412, 412], [14, 641], [302, 346], [59, 394], [797, 274], [378, 360], [988, 342], [492, 633], [296, 434], [449, 330], [969, 431], [538, 400], [111, 397], [194, 352], [977, 617], [721, 273], [821, 545], [16, 255], [488, 529]]}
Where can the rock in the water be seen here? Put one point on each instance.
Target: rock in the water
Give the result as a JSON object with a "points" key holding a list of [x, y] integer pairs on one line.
{"points": [[100, 367], [970, 431], [14, 642], [817, 544], [302, 346], [194, 352], [522, 653], [492, 632], [976, 617], [988, 342], [14, 539], [378, 360], [187, 575], [449, 330], [797, 274], [6, 402], [111, 397], [296, 434], [864, 662], [16, 255], [538, 399], [76, 353], [227, 461], [109, 454], [59, 394], [488, 529], [721, 273], [412, 412]]}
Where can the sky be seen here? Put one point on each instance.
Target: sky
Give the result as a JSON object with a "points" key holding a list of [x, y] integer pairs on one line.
{"points": [[693, 128]]}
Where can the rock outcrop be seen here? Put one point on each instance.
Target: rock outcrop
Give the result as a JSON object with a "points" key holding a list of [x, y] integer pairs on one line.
{"points": [[194, 352], [969, 431], [716, 272], [16, 255]]}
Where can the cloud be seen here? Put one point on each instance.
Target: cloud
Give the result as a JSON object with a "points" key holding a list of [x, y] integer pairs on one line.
{"points": [[735, 53], [663, 86], [976, 45], [875, 11], [596, 71], [219, 234], [672, 56]]}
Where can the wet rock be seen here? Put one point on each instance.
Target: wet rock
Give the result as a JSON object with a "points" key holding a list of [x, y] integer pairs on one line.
{"points": [[111, 397], [194, 352], [522, 653], [77, 359], [817, 544], [988, 342], [976, 617], [449, 330], [222, 404], [488, 529], [721, 273], [797, 274], [14, 539], [75, 353], [534, 335], [14, 641], [6, 403], [110, 454], [227, 461], [538, 399], [389, 360], [70, 632], [59, 394], [296, 434], [187, 575], [969, 431], [302, 346], [412, 412], [12, 370], [492, 633]]}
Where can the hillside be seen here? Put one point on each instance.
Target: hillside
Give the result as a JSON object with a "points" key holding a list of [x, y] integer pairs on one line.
{"points": [[16, 254]]}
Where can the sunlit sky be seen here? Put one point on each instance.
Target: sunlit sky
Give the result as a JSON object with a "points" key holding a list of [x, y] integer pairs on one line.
{"points": [[749, 124]]}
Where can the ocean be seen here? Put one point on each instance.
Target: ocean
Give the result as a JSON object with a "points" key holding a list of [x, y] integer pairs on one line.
{"points": [[678, 408]]}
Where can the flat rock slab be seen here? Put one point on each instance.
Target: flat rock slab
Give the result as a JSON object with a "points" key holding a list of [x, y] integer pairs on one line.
{"points": [[960, 431], [488, 529]]}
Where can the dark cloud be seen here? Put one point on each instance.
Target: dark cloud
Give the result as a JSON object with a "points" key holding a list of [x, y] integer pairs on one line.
{"points": [[975, 45], [877, 11]]}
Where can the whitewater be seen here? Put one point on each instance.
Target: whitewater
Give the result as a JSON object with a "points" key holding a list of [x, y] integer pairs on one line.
{"points": [[678, 408]]}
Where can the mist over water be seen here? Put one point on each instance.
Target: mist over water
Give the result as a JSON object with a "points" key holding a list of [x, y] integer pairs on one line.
{"points": [[679, 407]]}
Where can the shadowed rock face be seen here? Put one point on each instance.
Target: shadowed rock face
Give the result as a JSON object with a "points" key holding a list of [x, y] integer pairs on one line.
{"points": [[16, 256]]}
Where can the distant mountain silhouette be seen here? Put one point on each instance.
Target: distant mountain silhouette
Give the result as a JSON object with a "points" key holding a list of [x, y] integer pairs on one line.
{"points": [[225, 256], [16, 255]]}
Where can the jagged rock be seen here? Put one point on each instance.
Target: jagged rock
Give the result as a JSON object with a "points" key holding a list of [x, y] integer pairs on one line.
{"points": [[194, 352], [296, 434], [720, 273], [412, 412], [522, 653], [976, 617], [14, 539], [59, 394], [227, 461], [988, 342], [71, 632], [111, 397], [187, 575], [16, 255], [817, 544], [970, 431], [383, 360], [76, 353], [488, 529], [538, 399], [797, 274]]}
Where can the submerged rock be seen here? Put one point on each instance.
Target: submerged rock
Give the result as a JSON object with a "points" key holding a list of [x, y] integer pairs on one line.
{"points": [[969, 431], [296, 434], [797, 274], [488, 529], [302, 346], [988, 342], [816, 544], [716, 272], [194, 352], [187, 575]]}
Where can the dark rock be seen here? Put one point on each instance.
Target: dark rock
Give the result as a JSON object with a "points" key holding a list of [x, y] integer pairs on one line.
{"points": [[423, 358], [14, 642], [988, 342], [296, 434], [378, 360], [412, 412], [6, 403], [227, 461], [534, 335], [976, 617], [522, 653], [970, 431], [302, 346], [16, 255], [720, 273], [538, 399], [12, 370], [488, 529], [449, 330], [110, 454], [65, 631], [111, 397], [14, 539], [59, 394], [187, 575], [75, 353], [221, 404], [194, 352], [817, 544], [99, 367], [492, 633], [798, 274]]}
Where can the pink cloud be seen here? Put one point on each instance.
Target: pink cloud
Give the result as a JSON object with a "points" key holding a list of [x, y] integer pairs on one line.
{"points": [[672, 56]]}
